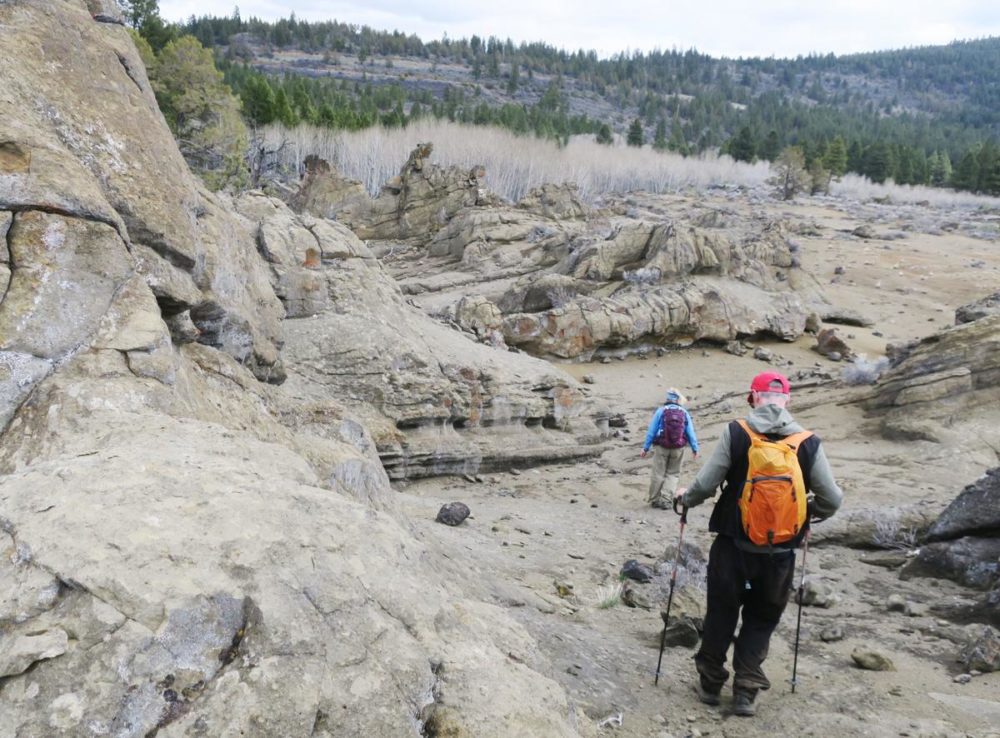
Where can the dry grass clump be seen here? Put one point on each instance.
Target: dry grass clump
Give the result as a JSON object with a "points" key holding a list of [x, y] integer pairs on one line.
{"points": [[864, 370], [856, 187], [891, 535], [609, 595]]}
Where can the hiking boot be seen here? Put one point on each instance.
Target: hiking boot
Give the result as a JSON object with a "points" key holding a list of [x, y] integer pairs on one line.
{"points": [[743, 704], [707, 695], [660, 505]]}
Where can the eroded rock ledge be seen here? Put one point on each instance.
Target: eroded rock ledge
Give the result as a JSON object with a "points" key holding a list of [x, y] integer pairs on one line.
{"points": [[559, 279]]}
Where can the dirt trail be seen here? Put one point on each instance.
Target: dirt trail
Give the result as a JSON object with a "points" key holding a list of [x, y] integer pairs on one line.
{"points": [[576, 525]]}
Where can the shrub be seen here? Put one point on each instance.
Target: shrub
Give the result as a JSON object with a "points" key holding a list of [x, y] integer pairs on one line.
{"points": [[864, 371]]}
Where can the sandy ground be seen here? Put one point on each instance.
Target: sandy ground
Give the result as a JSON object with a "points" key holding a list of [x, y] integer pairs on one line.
{"points": [[577, 524]]}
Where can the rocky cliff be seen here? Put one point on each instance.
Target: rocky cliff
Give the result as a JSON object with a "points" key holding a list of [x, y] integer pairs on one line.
{"points": [[186, 548]]}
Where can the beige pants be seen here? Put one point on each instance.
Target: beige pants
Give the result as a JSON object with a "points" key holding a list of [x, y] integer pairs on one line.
{"points": [[665, 476]]}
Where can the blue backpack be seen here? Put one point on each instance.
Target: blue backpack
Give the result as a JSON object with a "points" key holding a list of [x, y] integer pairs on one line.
{"points": [[673, 422]]}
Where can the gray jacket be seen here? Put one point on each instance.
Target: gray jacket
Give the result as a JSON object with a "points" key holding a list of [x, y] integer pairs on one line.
{"points": [[769, 420]]}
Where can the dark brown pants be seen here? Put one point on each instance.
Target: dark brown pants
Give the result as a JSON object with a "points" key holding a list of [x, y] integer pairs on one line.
{"points": [[757, 584]]}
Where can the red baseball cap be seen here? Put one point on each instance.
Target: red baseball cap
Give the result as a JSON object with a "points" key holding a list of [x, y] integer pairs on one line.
{"points": [[763, 381]]}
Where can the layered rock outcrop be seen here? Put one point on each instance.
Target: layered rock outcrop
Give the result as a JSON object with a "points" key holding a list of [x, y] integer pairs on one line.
{"points": [[937, 382], [185, 550], [92, 170], [570, 281], [414, 204], [435, 402]]}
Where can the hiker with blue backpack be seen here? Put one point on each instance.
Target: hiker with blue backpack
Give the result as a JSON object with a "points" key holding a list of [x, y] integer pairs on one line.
{"points": [[670, 432], [775, 478]]}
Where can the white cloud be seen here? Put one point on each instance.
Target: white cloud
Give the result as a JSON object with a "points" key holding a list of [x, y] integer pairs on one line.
{"points": [[779, 28]]}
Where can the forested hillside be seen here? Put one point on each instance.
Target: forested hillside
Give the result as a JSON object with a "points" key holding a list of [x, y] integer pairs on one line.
{"points": [[918, 116]]}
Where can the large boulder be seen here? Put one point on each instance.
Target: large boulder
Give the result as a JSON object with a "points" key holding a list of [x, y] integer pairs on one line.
{"points": [[963, 544], [941, 378], [976, 511], [713, 310], [89, 162], [989, 305], [412, 205]]}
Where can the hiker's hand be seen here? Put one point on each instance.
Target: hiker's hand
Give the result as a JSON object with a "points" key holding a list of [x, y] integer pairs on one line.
{"points": [[642, 454], [679, 494], [694, 454]]}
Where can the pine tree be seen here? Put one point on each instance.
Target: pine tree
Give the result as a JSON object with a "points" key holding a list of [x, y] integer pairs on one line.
{"points": [[635, 135], [512, 82], [770, 148], [966, 172], [144, 17], [677, 141], [660, 137], [283, 112], [986, 159], [789, 173], [258, 100], [202, 112], [835, 158], [877, 164], [742, 147], [604, 135], [819, 178]]}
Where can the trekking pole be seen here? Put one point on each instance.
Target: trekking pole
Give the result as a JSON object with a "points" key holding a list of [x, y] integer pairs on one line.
{"points": [[798, 624], [673, 580]]}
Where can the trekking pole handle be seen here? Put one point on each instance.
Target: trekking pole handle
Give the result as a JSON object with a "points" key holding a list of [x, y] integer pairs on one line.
{"points": [[681, 510]]}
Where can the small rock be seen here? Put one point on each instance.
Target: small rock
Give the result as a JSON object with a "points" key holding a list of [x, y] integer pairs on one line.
{"points": [[564, 589], [896, 691], [832, 633], [617, 420], [913, 610], [871, 660], [817, 593], [962, 679], [635, 571], [839, 270], [453, 513], [516, 472], [763, 354], [983, 653], [631, 597], [681, 632], [606, 360], [588, 379], [895, 603]]}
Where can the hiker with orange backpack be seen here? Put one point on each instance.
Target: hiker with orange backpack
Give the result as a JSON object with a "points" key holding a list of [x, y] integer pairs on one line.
{"points": [[670, 431], [768, 465]]}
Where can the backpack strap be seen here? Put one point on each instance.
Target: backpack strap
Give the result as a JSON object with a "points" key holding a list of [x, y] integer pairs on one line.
{"points": [[794, 440]]}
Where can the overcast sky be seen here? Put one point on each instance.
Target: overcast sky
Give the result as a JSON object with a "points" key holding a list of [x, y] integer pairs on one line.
{"points": [[780, 28]]}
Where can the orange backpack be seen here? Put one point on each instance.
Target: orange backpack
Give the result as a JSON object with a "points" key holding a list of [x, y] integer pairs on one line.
{"points": [[773, 499]]}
